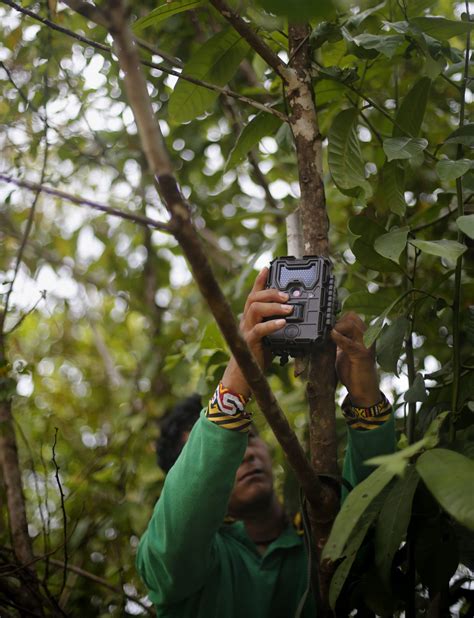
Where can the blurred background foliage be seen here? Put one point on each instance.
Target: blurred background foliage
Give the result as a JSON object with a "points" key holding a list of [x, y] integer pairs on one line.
{"points": [[122, 332]]}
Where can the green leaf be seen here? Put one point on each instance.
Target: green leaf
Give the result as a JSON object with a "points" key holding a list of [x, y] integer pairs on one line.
{"points": [[393, 521], [365, 231], [417, 391], [396, 463], [350, 552], [392, 244], [374, 330], [352, 511], [412, 109], [449, 477], [440, 27], [466, 224], [392, 186], [464, 136], [344, 155], [300, 11], [390, 342], [449, 249], [164, 11], [263, 124], [216, 62], [370, 304], [450, 170], [403, 147], [386, 44]]}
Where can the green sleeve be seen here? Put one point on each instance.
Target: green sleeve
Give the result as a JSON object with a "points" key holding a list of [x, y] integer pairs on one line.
{"points": [[177, 551], [362, 445]]}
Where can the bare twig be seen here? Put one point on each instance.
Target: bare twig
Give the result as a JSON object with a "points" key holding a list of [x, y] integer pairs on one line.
{"points": [[25, 315], [29, 225], [81, 201], [104, 583], [63, 509], [153, 65]]}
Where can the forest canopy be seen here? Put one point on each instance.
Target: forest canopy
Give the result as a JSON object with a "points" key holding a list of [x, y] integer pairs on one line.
{"points": [[103, 327]]}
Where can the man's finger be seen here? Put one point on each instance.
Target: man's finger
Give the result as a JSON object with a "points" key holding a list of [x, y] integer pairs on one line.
{"points": [[258, 285], [262, 329], [350, 328], [268, 295], [346, 344], [258, 311]]}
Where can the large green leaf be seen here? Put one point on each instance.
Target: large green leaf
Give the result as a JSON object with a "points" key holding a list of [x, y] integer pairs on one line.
{"points": [[403, 147], [215, 62], [466, 224], [352, 511], [164, 11], [450, 170], [412, 109], [386, 44], [449, 476], [393, 521], [390, 343], [464, 136], [391, 187], [397, 463], [440, 27], [350, 552], [344, 155], [364, 233], [263, 124], [392, 244], [449, 249], [370, 304]]}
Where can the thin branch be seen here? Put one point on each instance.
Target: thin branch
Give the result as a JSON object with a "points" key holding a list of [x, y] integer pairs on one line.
{"points": [[102, 582], [25, 315], [252, 38], [29, 225], [424, 226], [136, 89], [153, 65], [81, 201], [63, 509], [458, 272]]}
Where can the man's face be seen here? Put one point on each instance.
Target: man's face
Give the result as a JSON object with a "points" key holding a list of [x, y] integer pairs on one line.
{"points": [[253, 488]]}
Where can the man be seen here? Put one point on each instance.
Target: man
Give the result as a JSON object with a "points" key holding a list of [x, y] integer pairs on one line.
{"points": [[196, 566]]}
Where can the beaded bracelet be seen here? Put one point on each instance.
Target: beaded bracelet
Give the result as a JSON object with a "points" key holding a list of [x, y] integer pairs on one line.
{"points": [[366, 418], [227, 409]]}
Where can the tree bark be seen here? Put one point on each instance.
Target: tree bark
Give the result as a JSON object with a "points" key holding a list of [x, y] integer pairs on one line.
{"points": [[321, 375]]}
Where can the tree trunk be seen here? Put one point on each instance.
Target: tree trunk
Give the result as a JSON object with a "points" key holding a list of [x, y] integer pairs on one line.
{"points": [[321, 376]]}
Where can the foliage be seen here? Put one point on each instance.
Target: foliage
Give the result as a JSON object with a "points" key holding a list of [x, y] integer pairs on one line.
{"points": [[123, 332]]}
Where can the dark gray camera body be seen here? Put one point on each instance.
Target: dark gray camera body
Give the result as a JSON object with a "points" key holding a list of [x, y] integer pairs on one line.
{"points": [[311, 287]]}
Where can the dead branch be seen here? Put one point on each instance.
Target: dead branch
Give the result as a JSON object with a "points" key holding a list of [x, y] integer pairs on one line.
{"points": [[63, 508], [82, 201]]}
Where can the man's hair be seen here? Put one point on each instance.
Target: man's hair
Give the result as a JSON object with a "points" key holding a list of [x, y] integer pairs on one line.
{"points": [[173, 425]]}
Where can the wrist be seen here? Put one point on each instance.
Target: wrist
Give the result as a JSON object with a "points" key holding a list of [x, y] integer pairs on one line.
{"points": [[234, 380]]}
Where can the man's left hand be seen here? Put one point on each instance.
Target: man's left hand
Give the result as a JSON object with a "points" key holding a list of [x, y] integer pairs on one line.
{"points": [[355, 364]]}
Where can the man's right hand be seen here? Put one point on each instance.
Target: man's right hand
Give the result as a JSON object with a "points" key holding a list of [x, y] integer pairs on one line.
{"points": [[261, 303]]}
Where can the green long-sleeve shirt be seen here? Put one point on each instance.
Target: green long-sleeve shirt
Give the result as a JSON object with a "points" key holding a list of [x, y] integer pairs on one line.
{"points": [[194, 566]]}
